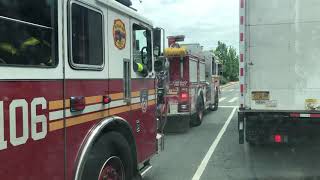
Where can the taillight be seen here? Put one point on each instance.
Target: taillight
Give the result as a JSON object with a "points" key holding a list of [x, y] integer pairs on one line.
{"points": [[277, 138], [184, 96]]}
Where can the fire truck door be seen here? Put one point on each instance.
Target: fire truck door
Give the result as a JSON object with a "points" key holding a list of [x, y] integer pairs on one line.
{"points": [[120, 65], [143, 87], [86, 76]]}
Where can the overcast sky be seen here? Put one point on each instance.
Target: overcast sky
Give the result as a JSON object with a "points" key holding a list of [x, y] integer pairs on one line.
{"points": [[205, 23]]}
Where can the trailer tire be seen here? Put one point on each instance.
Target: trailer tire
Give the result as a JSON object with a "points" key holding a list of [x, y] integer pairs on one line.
{"points": [[110, 155], [197, 119], [182, 127], [251, 143]]}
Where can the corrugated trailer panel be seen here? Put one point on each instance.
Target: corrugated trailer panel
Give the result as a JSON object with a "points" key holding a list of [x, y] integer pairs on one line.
{"points": [[282, 54]]}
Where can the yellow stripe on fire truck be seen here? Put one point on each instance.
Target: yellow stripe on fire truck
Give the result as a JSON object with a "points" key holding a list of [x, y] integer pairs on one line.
{"points": [[58, 104], [56, 125], [101, 110]]}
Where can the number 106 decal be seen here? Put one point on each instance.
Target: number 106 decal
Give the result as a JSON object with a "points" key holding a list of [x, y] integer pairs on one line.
{"points": [[35, 120]]}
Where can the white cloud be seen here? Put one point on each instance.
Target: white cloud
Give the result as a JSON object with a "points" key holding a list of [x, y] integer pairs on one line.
{"points": [[202, 21]]}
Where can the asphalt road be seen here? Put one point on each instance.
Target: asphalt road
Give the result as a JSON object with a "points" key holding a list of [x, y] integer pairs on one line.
{"points": [[211, 151]]}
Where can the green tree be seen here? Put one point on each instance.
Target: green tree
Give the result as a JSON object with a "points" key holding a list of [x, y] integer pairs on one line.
{"points": [[229, 59]]}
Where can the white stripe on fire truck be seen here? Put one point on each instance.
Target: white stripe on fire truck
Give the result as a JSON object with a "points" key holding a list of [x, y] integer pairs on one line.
{"points": [[137, 99], [304, 115], [56, 115]]}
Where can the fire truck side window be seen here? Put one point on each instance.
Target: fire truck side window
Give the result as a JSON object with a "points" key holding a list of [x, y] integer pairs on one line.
{"points": [[214, 67], [28, 33], [87, 38], [142, 46]]}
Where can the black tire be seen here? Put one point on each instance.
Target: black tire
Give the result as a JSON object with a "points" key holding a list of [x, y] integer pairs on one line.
{"points": [[197, 119], [251, 143], [110, 144], [216, 102], [185, 126]]}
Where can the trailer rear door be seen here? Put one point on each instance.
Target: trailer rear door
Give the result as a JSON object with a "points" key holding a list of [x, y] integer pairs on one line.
{"points": [[282, 54]]}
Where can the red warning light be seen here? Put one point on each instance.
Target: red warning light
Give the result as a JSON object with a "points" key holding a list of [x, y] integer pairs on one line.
{"points": [[277, 138], [106, 99]]}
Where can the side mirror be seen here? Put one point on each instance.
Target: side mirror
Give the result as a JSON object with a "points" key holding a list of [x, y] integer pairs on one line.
{"points": [[156, 51], [142, 55], [157, 41], [159, 64], [160, 95]]}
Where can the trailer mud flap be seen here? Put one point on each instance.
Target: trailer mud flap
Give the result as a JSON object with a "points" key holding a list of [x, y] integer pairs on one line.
{"points": [[241, 127]]}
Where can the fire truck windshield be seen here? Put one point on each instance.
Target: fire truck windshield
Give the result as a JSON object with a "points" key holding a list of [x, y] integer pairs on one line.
{"points": [[28, 33]]}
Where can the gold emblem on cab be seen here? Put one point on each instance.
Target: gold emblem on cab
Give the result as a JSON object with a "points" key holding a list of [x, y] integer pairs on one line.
{"points": [[119, 34]]}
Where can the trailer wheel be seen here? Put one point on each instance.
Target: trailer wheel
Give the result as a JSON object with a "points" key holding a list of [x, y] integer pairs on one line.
{"points": [[110, 158], [251, 143], [197, 120]]}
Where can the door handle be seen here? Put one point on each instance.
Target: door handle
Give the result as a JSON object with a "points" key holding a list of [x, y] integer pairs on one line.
{"points": [[77, 103]]}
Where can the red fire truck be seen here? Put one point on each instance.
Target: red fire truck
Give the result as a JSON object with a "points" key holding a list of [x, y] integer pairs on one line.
{"points": [[193, 84], [77, 91]]}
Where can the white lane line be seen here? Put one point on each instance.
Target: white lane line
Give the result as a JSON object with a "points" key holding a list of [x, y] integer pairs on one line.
{"points": [[221, 99], [231, 90], [233, 99], [213, 146]]}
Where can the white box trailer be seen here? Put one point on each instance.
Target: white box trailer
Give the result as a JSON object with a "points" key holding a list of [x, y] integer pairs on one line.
{"points": [[279, 69]]}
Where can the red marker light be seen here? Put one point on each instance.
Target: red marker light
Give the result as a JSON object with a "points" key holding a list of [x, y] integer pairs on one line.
{"points": [[184, 96], [277, 138], [106, 99], [77, 103]]}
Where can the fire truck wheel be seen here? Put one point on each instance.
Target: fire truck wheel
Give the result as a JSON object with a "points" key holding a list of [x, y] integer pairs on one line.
{"points": [[110, 158], [200, 112], [215, 106]]}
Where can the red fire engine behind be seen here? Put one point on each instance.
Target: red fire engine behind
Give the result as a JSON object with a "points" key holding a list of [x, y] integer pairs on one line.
{"points": [[192, 88]]}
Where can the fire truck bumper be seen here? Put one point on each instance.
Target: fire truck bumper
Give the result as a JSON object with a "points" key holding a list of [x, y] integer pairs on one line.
{"points": [[160, 142], [177, 123]]}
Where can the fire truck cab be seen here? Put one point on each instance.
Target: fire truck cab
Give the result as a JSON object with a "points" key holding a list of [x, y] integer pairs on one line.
{"points": [[213, 73], [193, 84], [77, 90]]}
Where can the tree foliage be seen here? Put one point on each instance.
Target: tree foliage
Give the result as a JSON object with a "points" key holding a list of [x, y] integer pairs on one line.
{"points": [[230, 60]]}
